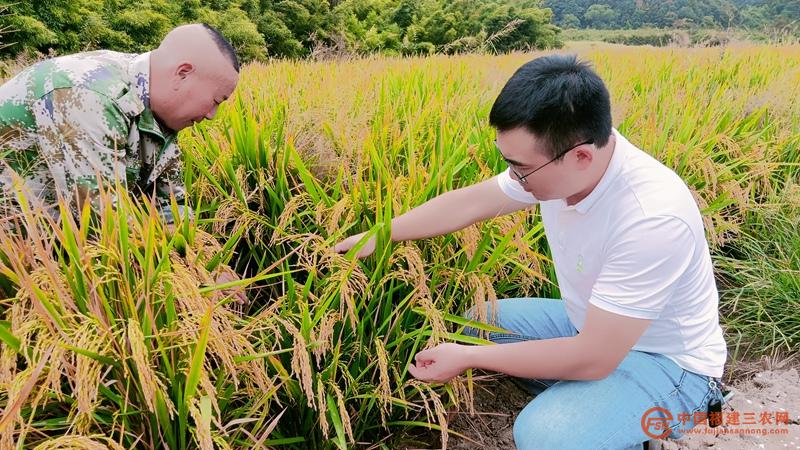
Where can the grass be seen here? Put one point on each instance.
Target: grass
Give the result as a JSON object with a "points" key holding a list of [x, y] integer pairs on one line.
{"points": [[681, 37], [112, 330], [656, 37]]}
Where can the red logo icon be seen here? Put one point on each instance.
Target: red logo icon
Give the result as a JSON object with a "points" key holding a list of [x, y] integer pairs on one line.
{"points": [[656, 427]]}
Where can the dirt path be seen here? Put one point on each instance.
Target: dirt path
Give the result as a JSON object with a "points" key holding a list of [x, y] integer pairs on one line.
{"points": [[771, 391]]}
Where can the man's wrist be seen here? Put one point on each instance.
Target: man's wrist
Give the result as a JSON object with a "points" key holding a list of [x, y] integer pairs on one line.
{"points": [[470, 355]]}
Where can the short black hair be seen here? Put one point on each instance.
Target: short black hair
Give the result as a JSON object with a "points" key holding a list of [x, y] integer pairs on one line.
{"points": [[223, 45], [558, 99]]}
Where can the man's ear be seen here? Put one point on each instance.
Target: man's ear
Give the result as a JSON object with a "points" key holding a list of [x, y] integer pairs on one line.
{"points": [[584, 157], [184, 69]]}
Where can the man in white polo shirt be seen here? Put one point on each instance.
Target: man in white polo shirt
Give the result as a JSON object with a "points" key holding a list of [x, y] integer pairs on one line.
{"points": [[638, 327]]}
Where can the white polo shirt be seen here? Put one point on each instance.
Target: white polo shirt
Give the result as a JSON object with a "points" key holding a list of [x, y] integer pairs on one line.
{"points": [[636, 246]]}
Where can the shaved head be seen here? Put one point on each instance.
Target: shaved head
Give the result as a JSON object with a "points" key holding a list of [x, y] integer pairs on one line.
{"points": [[198, 38], [223, 45], [193, 70]]}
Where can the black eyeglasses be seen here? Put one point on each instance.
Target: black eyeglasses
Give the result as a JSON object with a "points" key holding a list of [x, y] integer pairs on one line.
{"points": [[522, 178]]}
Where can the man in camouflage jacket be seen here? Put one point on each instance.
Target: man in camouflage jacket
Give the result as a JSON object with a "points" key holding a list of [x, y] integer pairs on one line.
{"points": [[70, 124]]}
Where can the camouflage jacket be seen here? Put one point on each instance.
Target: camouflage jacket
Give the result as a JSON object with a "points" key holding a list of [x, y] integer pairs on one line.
{"points": [[67, 119]]}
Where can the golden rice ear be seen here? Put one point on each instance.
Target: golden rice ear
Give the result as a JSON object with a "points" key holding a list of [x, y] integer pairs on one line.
{"points": [[414, 274], [484, 299], [469, 238], [437, 414], [343, 413], [87, 377], [463, 393], [149, 382], [69, 442], [296, 203], [202, 430], [349, 279], [322, 405], [301, 362], [384, 389], [323, 339]]}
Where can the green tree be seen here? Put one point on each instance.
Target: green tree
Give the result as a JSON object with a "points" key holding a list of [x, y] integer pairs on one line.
{"points": [[282, 28], [25, 33], [144, 26], [406, 13], [61, 25], [279, 39], [600, 16], [570, 21], [236, 26]]}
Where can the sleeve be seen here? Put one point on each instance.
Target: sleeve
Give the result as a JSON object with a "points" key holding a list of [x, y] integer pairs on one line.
{"points": [[82, 136], [170, 183], [513, 189], [643, 266]]}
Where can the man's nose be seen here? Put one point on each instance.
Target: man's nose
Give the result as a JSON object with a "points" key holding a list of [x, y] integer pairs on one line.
{"points": [[210, 115]]}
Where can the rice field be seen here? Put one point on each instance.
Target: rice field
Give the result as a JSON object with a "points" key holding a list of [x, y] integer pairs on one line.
{"points": [[115, 336]]}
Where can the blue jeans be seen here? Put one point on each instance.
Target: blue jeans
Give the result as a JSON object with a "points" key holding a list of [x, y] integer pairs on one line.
{"points": [[597, 414]]}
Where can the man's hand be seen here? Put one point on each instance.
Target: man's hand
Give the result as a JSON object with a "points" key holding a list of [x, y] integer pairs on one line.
{"points": [[347, 244], [441, 363], [223, 275]]}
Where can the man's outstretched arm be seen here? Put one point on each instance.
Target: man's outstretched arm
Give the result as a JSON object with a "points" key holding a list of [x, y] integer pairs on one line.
{"points": [[444, 214]]}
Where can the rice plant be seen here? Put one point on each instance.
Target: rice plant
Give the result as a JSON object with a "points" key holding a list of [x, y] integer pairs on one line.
{"points": [[115, 335]]}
